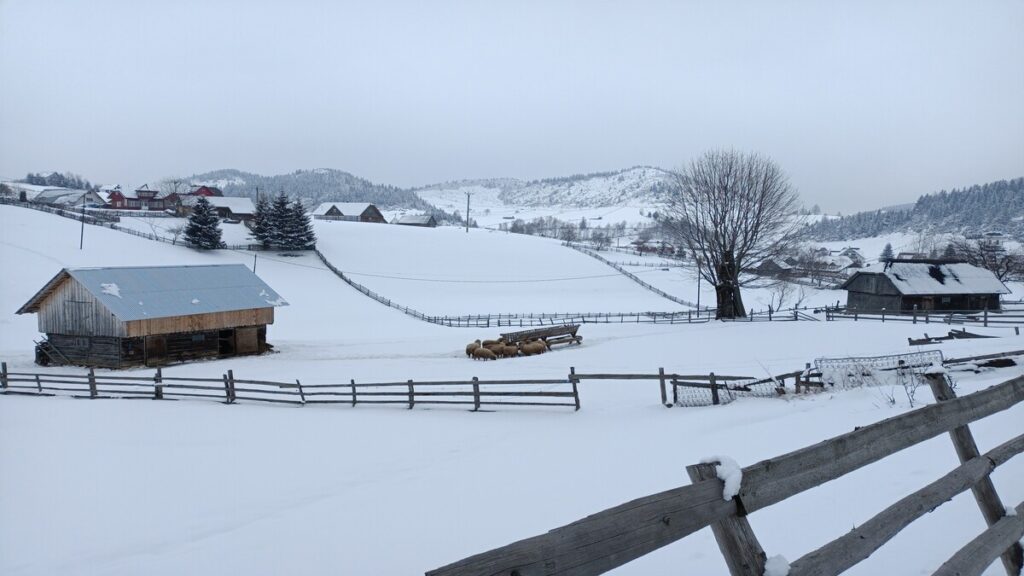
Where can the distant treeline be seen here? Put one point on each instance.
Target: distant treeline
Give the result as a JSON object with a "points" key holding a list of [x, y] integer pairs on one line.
{"points": [[996, 206], [58, 180]]}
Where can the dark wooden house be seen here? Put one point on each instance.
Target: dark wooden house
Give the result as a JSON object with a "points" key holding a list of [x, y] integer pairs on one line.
{"points": [[906, 285], [120, 317], [424, 220], [348, 211]]}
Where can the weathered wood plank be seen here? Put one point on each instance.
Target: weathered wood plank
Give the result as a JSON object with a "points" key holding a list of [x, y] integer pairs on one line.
{"points": [[984, 491], [978, 554], [776, 479], [740, 547], [843, 552], [605, 540]]}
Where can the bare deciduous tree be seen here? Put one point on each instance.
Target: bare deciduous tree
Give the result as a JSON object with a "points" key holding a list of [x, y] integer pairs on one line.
{"points": [[732, 210], [990, 255]]}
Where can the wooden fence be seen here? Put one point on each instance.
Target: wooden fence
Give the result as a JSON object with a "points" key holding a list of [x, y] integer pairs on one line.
{"points": [[968, 317], [527, 320], [608, 539], [475, 393], [630, 275]]}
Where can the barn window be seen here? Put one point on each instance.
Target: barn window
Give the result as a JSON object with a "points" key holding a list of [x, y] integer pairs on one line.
{"points": [[198, 337]]}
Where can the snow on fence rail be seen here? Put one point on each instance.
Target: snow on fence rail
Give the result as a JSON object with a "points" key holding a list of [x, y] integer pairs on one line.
{"points": [[611, 538], [475, 393]]}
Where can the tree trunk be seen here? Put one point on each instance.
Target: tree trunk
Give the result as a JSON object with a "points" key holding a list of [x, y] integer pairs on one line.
{"points": [[727, 292]]}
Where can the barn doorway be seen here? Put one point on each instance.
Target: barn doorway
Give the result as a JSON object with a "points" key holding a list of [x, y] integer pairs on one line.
{"points": [[226, 342]]}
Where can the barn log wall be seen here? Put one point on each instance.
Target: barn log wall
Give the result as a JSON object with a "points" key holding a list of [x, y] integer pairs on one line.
{"points": [[200, 322], [71, 310]]}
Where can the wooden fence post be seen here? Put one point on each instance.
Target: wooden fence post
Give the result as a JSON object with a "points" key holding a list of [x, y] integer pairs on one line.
{"points": [[740, 547], [714, 389], [412, 394], [575, 388], [664, 393], [39, 385], [227, 390], [3, 375], [476, 394], [984, 491], [302, 395], [353, 383], [92, 384], [158, 389], [986, 317]]}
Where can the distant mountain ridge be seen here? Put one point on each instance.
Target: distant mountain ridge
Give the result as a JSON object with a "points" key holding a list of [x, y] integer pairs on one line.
{"points": [[639, 185], [312, 187]]}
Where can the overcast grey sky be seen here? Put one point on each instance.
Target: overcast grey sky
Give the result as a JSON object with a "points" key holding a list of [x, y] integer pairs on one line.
{"points": [[862, 103]]}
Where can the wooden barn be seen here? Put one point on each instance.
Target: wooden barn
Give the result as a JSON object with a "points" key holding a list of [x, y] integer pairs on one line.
{"points": [[424, 220], [152, 315], [923, 285], [348, 211]]}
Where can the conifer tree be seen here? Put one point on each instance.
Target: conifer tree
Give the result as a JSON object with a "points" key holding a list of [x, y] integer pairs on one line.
{"points": [[261, 222], [886, 252], [278, 222], [203, 229], [300, 229]]}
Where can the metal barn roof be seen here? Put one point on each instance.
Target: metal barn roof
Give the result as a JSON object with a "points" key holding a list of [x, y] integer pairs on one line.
{"points": [[925, 278], [139, 293]]}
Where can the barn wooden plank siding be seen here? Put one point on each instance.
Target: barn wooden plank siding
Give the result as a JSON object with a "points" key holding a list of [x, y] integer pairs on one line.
{"points": [[121, 317]]}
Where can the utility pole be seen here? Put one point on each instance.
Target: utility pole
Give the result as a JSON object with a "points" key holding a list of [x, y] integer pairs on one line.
{"points": [[468, 194], [81, 235]]}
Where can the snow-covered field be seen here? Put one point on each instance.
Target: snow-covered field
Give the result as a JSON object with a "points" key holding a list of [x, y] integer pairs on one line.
{"points": [[445, 271], [231, 234], [117, 487]]}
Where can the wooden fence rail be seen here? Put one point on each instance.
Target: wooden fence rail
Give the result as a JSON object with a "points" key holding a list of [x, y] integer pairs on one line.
{"points": [[528, 320], [983, 318], [475, 393], [610, 538]]}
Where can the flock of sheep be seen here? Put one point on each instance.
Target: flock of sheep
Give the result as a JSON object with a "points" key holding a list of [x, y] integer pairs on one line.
{"points": [[494, 349]]}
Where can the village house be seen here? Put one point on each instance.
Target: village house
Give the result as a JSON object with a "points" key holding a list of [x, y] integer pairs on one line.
{"points": [[424, 220], [348, 211], [923, 285], [120, 317], [774, 267], [227, 207], [144, 198], [204, 190]]}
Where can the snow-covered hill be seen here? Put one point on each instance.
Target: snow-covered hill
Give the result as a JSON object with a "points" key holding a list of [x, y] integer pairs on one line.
{"points": [[637, 186]]}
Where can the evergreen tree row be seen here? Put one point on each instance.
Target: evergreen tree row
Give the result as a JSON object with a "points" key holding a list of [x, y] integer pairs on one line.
{"points": [[58, 180], [282, 224]]}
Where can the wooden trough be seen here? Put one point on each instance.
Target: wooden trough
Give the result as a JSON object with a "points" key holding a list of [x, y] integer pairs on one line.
{"points": [[550, 335]]}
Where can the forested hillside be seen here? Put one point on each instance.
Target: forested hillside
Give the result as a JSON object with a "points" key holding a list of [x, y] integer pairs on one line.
{"points": [[996, 206]]}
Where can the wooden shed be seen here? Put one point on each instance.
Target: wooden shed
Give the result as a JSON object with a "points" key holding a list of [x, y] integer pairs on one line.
{"points": [[905, 285], [152, 315]]}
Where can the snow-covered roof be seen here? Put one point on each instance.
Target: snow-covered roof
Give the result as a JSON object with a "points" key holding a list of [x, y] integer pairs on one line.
{"points": [[235, 204], [346, 208], [921, 278], [138, 293], [415, 219]]}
